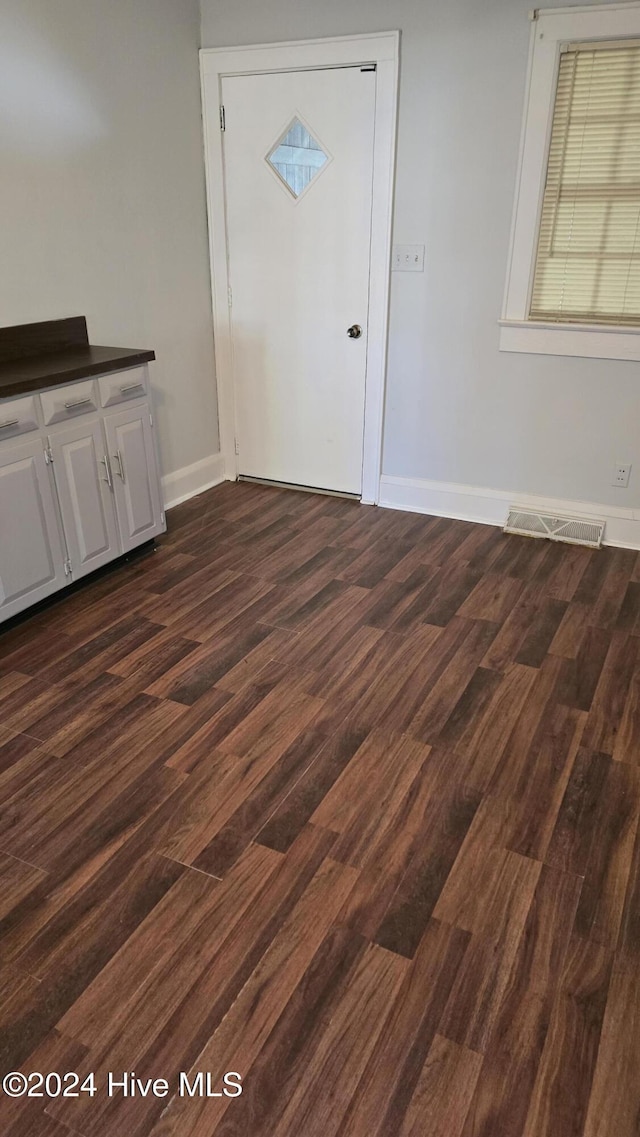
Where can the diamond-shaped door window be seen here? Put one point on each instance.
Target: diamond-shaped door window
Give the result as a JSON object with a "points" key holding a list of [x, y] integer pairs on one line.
{"points": [[297, 158]]}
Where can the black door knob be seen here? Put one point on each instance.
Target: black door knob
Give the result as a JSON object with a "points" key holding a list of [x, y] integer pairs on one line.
{"points": [[354, 332]]}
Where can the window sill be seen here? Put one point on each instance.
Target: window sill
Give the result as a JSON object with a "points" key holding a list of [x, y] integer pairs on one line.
{"points": [[586, 340]]}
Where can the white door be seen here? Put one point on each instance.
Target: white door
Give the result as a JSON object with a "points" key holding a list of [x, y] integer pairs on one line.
{"points": [[135, 477], [32, 555], [298, 154], [83, 479]]}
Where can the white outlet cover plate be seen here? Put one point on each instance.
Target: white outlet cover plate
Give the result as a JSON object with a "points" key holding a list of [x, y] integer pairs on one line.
{"points": [[408, 258], [621, 474]]}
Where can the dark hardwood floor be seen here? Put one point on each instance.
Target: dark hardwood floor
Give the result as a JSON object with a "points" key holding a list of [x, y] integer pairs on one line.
{"points": [[345, 800]]}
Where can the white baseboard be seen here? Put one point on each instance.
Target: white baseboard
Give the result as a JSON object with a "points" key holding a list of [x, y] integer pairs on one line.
{"points": [[490, 507], [191, 480]]}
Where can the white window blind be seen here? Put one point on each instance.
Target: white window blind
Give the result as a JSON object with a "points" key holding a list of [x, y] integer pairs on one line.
{"points": [[588, 256]]}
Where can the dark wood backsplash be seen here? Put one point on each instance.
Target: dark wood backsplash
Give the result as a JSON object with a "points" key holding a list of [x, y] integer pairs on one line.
{"points": [[25, 340]]}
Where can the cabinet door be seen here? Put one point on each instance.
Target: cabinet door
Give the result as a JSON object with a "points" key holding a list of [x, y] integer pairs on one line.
{"points": [[135, 475], [83, 481], [32, 553]]}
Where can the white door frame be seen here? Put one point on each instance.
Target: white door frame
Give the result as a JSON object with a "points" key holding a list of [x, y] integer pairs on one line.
{"points": [[381, 48]]}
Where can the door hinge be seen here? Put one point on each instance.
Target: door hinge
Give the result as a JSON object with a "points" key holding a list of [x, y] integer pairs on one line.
{"points": [[223, 121], [162, 516], [150, 419], [48, 454], [236, 445], [230, 296], [67, 568]]}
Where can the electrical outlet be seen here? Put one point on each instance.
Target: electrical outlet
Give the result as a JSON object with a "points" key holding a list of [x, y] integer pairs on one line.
{"points": [[621, 474], [408, 258]]}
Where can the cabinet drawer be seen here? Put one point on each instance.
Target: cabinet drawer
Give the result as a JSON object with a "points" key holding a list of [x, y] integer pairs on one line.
{"points": [[64, 403], [123, 386], [18, 416]]}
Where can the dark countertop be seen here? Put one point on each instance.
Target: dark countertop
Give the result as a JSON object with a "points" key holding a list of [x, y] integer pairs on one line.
{"points": [[23, 375], [34, 356]]}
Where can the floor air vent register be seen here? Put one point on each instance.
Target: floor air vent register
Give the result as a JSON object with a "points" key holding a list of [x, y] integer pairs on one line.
{"points": [[573, 530]]}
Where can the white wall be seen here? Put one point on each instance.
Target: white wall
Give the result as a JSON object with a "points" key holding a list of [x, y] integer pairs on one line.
{"points": [[102, 206], [458, 410]]}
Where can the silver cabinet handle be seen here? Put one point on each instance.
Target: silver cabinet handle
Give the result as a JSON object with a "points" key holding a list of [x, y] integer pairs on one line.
{"points": [[120, 470], [130, 387], [9, 422], [77, 403], [107, 470]]}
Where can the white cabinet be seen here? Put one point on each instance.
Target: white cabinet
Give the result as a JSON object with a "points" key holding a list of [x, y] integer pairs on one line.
{"points": [[135, 478], [20, 416], [61, 404], [32, 555], [123, 386], [83, 481], [80, 490]]}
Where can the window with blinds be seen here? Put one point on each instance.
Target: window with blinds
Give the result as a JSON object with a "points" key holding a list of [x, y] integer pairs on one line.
{"points": [[588, 256]]}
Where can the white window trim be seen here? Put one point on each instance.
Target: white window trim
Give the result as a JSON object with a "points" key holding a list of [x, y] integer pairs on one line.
{"points": [[551, 28]]}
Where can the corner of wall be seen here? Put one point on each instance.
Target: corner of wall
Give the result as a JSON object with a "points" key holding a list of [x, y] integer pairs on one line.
{"points": [[192, 480]]}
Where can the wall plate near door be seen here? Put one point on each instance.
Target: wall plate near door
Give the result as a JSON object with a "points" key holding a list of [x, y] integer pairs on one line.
{"points": [[408, 258]]}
